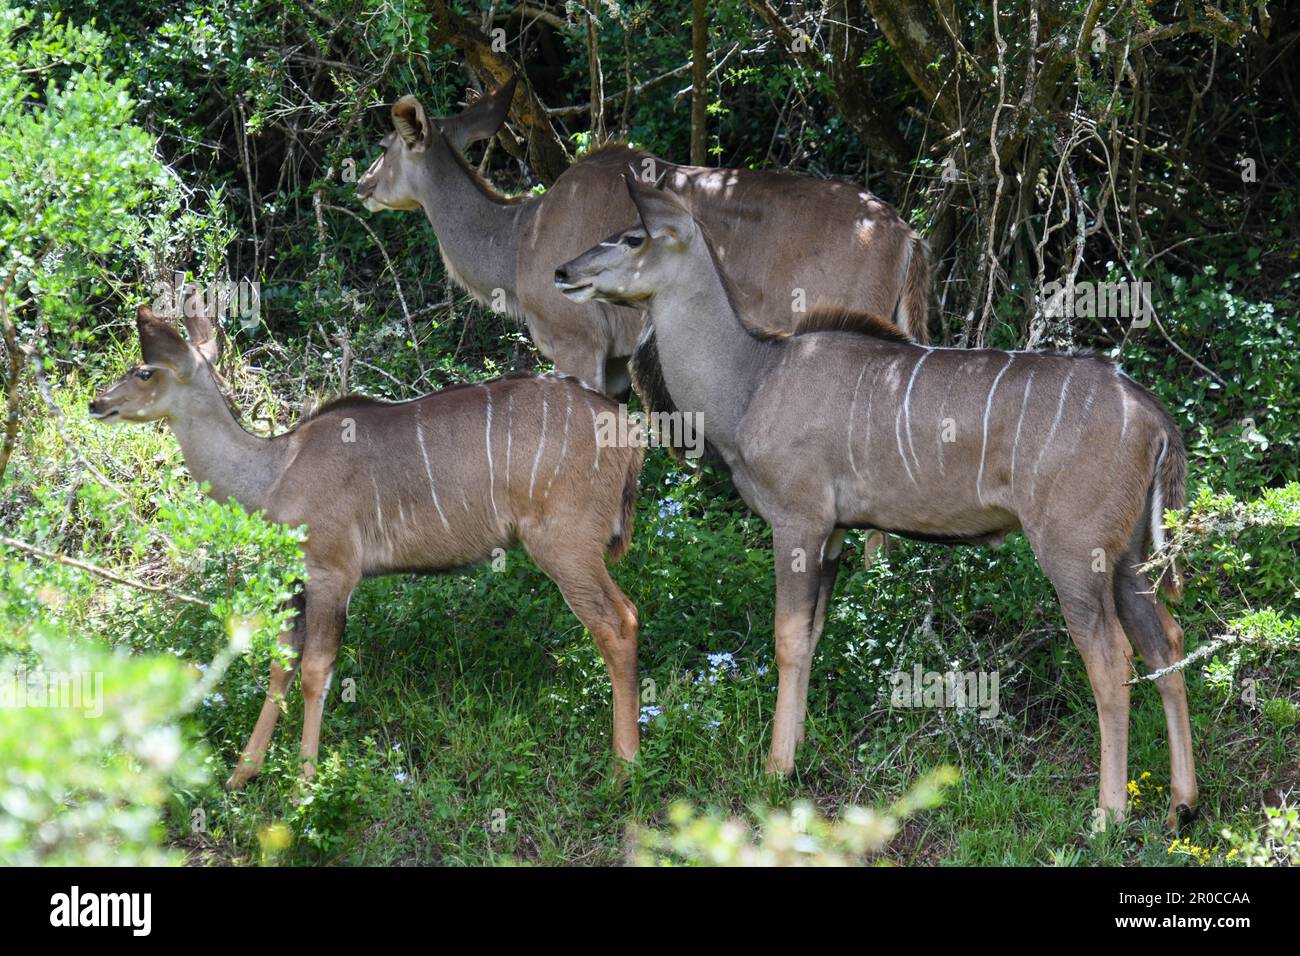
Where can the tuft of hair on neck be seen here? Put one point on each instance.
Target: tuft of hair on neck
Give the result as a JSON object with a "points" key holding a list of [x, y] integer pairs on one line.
{"points": [[837, 319]]}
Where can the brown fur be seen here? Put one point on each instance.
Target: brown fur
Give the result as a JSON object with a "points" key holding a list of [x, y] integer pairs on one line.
{"points": [[827, 319], [911, 313], [838, 426], [494, 243], [436, 483]]}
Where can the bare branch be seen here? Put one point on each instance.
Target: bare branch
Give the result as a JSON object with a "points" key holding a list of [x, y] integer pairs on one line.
{"points": [[59, 558]]}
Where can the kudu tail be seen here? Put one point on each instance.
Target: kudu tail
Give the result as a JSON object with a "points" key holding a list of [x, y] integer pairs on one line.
{"points": [[621, 539], [912, 313], [1168, 493]]}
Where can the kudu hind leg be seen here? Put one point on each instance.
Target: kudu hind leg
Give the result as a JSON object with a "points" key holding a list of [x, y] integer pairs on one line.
{"points": [[611, 618], [1108, 657], [1158, 638], [254, 754], [1085, 590]]}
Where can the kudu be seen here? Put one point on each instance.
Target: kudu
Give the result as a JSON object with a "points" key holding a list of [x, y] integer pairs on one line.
{"points": [[844, 424], [431, 484], [772, 231]]}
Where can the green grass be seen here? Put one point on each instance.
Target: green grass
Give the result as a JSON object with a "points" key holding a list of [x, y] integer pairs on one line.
{"points": [[500, 708]]}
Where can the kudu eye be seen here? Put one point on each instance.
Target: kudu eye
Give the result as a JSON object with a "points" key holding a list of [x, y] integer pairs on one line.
{"points": [[633, 241], [144, 374]]}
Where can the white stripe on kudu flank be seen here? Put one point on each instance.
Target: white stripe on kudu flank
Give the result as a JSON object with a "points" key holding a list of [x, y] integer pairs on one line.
{"points": [[984, 445], [871, 401], [424, 453], [510, 427], [1123, 400], [907, 408], [564, 445], [532, 482], [853, 405], [1060, 409], [898, 438], [595, 430], [898, 435], [487, 440], [1015, 445], [1087, 404], [379, 508]]}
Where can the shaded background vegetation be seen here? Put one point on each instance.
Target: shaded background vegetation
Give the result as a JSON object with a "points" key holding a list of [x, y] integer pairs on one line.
{"points": [[1030, 142]]}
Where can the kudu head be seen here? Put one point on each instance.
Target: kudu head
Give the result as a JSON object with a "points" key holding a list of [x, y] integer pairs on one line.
{"points": [[400, 175], [629, 266], [173, 375]]}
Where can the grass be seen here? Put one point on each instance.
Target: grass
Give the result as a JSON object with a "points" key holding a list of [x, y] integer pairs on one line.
{"points": [[503, 734], [469, 718]]}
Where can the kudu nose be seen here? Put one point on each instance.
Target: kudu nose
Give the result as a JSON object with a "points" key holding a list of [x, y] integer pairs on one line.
{"points": [[561, 276]]}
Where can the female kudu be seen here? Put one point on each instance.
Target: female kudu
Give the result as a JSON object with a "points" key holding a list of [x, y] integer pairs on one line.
{"points": [[503, 249], [845, 424], [432, 484]]}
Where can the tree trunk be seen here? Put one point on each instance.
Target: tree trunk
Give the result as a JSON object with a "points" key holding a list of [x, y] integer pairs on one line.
{"points": [[699, 76], [544, 150], [597, 83]]}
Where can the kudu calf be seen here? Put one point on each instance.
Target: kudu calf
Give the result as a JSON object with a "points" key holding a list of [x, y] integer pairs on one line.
{"points": [[432, 484], [810, 239], [845, 424]]}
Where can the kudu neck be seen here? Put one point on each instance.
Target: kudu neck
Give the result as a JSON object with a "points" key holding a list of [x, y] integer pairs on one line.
{"points": [[236, 465], [711, 363], [478, 232]]}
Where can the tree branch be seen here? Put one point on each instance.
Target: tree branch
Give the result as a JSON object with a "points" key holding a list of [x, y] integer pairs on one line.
{"points": [[544, 150], [60, 558], [850, 93]]}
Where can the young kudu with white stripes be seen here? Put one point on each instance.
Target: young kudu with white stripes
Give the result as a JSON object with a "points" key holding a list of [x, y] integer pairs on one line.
{"points": [[846, 424], [432, 484]]}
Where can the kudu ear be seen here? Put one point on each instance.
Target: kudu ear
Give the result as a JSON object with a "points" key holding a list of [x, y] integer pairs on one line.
{"points": [[198, 323], [482, 118], [411, 122], [160, 344], [662, 213]]}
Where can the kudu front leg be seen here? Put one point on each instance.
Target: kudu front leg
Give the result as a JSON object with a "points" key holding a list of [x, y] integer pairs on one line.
{"points": [[830, 567], [327, 601], [799, 581], [250, 762]]}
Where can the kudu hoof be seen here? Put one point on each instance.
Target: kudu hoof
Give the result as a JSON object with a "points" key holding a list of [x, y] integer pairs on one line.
{"points": [[779, 769], [621, 771], [1183, 817], [1102, 820], [240, 776]]}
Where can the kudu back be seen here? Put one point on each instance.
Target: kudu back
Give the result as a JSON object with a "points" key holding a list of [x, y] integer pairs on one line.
{"points": [[845, 424], [788, 242], [436, 483]]}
